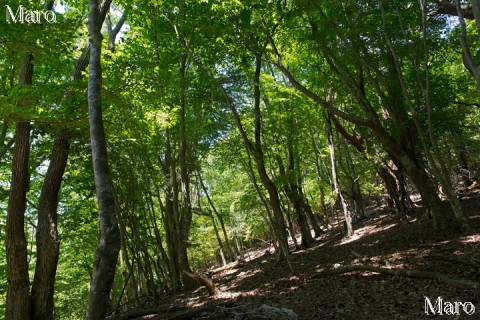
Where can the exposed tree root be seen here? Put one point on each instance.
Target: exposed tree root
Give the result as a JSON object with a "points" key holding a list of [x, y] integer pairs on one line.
{"points": [[203, 280], [456, 282], [240, 263]]}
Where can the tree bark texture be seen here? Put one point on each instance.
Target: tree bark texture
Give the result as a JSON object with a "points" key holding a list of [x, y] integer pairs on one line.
{"points": [[291, 190], [107, 251], [336, 182], [47, 234], [16, 244]]}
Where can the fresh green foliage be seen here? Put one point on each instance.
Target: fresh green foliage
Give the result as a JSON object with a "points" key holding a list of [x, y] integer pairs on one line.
{"points": [[167, 89]]}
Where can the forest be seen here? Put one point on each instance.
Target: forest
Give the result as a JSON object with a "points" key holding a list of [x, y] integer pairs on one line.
{"points": [[239, 159]]}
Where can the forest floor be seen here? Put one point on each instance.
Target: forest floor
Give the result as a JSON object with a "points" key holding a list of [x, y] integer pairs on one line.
{"points": [[384, 239]]}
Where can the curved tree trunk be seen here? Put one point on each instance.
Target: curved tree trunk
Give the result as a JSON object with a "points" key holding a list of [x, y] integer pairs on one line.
{"points": [[257, 152], [291, 190], [106, 255], [47, 234]]}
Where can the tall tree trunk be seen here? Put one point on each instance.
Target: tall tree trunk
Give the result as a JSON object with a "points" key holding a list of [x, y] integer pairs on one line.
{"points": [[41, 296], [292, 193], [257, 153], [278, 221], [107, 251], [16, 244], [338, 191], [407, 161], [442, 172], [170, 218], [222, 223], [268, 218], [295, 185], [47, 234], [185, 220]]}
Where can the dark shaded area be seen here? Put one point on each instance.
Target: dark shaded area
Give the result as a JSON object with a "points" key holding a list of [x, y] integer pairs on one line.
{"points": [[384, 239]]}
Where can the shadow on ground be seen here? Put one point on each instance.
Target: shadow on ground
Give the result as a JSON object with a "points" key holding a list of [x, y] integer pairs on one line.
{"points": [[388, 240]]}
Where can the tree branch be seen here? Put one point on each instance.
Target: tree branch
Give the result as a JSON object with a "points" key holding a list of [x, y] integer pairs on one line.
{"points": [[466, 53], [449, 8]]}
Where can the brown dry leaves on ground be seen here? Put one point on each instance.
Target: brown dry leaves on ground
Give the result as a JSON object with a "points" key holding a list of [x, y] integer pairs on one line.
{"points": [[383, 240]]}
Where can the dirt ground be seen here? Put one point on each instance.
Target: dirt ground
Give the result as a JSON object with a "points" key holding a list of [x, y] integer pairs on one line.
{"points": [[384, 239]]}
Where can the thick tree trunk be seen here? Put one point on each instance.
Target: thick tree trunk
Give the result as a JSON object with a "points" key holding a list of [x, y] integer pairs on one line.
{"points": [[106, 254], [47, 233], [418, 175], [391, 187], [16, 244]]}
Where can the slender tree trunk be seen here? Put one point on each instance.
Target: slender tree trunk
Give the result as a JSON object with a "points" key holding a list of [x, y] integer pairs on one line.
{"points": [[292, 193], [391, 187], [222, 223], [5, 146], [170, 217], [442, 172], [257, 152], [106, 255], [309, 212], [41, 298], [291, 228], [268, 217], [16, 244], [47, 233], [338, 191], [219, 240], [158, 237], [186, 209], [407, 161], [279, 221]]}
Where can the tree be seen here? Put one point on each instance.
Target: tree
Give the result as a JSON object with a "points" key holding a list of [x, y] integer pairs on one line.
{"points": [[107, 252], [18, 298], [354, 78]]}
